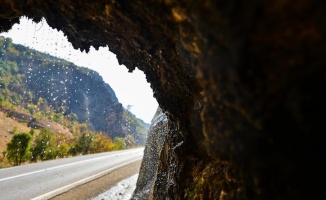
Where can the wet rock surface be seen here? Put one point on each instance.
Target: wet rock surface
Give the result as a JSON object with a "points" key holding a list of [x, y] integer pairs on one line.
{"points": [[155, 141], [242, 83]]}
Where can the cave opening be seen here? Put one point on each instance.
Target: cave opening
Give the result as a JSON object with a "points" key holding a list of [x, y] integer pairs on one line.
{"points": [[241, 83], [132, 89], [28, 48], [130, 98]]}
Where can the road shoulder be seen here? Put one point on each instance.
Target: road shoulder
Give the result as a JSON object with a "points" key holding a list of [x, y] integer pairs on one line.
{"points": [[94, 188]]}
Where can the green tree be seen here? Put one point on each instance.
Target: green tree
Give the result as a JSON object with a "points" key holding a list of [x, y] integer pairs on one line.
{"points": [[31, 108], [119, 143], [44, 146], [102, 143], [7, 43], [63, 150], [63, 145], [73, 150], [85, 142], [18, 148]]}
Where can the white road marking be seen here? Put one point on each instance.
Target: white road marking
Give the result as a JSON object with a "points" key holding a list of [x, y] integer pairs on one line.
{"points": [[80, 182], [61, 166]]}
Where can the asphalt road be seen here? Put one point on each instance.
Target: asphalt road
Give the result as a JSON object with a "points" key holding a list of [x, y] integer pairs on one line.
{"points": [[47, 179]]}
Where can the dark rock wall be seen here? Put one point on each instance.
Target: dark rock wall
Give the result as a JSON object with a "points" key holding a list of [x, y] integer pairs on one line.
{"points": [[242, 83], [263, 77], [155, 142]]}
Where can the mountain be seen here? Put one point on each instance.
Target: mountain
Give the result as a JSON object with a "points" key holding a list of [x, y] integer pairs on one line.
{"points": [[31, 80]]}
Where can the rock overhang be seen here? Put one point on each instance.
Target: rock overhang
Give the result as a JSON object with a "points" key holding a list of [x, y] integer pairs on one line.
{"points": [[240, 81]]}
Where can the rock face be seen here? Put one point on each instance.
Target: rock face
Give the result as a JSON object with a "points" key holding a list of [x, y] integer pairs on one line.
{"points": [[155, 141], [242, 83]]}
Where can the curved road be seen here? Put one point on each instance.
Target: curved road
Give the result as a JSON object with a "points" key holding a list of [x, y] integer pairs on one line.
{"points": [[47, 179]]}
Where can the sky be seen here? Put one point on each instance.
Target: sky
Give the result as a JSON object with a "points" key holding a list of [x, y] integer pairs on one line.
{"points": [[130, 88]]}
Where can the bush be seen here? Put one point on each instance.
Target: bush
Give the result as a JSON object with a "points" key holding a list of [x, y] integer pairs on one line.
{"points": [[44, 146], [18, 148]]}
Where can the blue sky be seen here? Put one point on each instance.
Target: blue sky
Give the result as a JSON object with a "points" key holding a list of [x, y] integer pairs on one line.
{"points": [[130, 88]]}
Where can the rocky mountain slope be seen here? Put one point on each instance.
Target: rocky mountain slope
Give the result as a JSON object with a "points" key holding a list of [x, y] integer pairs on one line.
{"points": [[30, 77]]}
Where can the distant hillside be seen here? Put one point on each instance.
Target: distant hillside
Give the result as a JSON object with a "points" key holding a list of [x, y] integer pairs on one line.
{"points": [[7, 126], [30, 79]]}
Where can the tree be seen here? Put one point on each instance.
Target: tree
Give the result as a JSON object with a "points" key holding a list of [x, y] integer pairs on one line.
{"points": [[7, 43], [102, 143], [85, 142], [119, 143], [18, 148], [44, 146], [62, 146], [63, 150]]}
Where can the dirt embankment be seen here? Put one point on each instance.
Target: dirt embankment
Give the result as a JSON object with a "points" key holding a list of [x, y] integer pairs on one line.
{"points": [[7, 126], [11, 121], [37, 123]]}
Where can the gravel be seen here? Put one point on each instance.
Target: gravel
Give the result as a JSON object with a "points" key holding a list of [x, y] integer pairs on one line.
{"points": [[122, 191], [93, 189]]}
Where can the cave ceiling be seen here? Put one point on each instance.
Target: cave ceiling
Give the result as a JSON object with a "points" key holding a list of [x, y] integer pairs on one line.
{"points": [[242, 81]]}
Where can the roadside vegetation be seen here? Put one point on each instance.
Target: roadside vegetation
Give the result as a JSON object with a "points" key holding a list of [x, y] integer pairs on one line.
{"points": [[40, 144], [47, 145]]}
